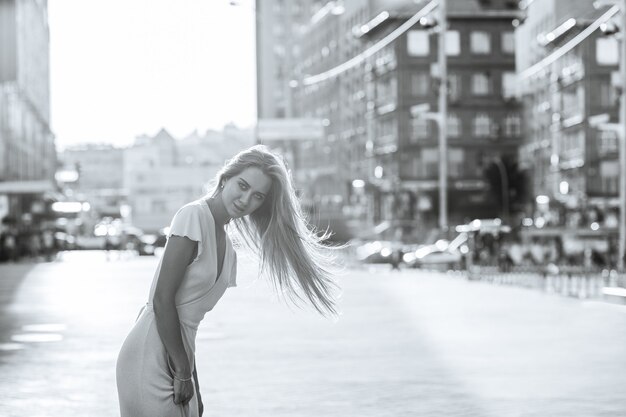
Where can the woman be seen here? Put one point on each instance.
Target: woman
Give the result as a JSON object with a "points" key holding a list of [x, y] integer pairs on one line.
{"points": [[156, 373]]}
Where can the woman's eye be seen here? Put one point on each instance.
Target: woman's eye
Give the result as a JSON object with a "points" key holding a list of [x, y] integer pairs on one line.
{"points": [[259, 197], [242, 186]]}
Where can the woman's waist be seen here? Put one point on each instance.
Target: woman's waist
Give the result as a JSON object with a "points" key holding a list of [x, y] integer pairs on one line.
{"points": [[188, 317]]}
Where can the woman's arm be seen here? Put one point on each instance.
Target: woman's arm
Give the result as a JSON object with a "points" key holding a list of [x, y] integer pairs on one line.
{"points": [[199, 397], [179, 252]]}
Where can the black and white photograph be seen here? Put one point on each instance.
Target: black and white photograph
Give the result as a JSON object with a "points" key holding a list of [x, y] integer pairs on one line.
{"points": [[304, 208]]}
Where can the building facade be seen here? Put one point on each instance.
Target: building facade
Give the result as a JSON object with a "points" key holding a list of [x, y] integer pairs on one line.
{"points": [[100, 170], [27, 150], [161, 173], [573, 164], [378, 160]]}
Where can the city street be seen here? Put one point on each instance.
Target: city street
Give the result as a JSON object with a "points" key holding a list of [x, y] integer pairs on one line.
{"points": [[408, 343]]}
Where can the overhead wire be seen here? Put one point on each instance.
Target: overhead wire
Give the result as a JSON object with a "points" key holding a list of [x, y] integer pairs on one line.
{"points": [[530, 71], [356, 60], [575, 41]]}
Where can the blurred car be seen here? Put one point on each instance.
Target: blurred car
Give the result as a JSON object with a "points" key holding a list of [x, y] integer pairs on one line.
{"points": [[379, 252], [442, 254], [64, 241], [145, 244]]}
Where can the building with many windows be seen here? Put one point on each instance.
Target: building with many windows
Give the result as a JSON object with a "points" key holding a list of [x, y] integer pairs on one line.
{"points": [[379, 159], [27, 151], [278, 24], [571, 163]]}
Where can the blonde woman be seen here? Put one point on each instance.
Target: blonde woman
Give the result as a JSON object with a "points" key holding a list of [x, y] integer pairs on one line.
{"points": [[253, 194]]}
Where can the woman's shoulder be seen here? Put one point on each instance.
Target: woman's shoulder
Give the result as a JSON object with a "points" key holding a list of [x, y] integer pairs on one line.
{"points": [[192, 208], [189, 217]]}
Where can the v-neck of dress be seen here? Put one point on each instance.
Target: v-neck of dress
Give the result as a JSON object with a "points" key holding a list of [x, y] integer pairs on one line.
{"points": [[226, 244]]}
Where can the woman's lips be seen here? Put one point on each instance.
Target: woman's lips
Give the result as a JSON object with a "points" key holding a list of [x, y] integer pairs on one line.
{"points": [[239, 209]]}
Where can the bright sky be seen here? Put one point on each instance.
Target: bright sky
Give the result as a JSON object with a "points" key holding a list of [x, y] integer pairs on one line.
{"points": [[124, 68]]}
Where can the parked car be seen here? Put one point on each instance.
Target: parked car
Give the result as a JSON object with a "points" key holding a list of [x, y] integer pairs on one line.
{"points": [[441, 254], [380, 252]]}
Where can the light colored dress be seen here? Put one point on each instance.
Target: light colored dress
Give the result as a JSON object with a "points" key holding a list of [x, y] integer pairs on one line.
{"points": [[144, 382]]}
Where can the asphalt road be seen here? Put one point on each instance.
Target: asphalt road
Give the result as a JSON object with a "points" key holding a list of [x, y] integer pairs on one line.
{"points": [[407, 343]]}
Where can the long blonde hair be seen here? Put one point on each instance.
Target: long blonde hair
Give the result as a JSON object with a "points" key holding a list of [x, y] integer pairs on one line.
{"points": [[278, 232]]}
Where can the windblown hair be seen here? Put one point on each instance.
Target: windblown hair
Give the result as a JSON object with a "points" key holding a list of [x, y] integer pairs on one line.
{"points": [[298, 262]]}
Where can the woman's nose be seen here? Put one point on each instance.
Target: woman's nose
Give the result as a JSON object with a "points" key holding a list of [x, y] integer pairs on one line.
{"points": [[245, 198]]}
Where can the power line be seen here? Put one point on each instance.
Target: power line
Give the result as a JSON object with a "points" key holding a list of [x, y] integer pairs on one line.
{"points": [[333, 72], [536, 68]]}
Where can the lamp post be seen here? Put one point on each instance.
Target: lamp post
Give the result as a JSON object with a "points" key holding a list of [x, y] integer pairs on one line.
{"points": [[622, 149], [443, 110]]}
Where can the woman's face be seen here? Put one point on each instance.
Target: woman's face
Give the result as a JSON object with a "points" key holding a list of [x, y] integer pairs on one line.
{"points": [[245, 192]]}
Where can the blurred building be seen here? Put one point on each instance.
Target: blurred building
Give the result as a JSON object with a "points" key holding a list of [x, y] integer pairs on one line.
{"points": [[213, 147], [483, 118], [27, 151], [571, 163], [378, 161], [278, 24], [161, 174], [100, 169]]}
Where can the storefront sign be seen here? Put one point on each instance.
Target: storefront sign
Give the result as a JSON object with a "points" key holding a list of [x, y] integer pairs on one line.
{"points": [[417, 185], [289, 129], [470, 185]]}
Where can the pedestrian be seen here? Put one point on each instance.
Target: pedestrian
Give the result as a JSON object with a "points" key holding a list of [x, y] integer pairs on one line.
{"points": [[34, 244], [47, 239], [10, 246], [253, 194], [108, 245]]}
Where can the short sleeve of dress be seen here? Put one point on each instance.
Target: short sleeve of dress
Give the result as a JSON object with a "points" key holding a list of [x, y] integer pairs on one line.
{"points": [[232, 282], [186, 223]]}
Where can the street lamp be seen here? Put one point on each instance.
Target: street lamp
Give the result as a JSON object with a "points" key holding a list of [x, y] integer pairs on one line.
{"points": [[443, 110], [622, 150]]}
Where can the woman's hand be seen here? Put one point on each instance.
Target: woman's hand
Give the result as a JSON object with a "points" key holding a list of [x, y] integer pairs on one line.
{"points": [[183, 391]]}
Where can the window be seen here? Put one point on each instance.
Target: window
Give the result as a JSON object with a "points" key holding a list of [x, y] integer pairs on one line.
{"points": [[387, 131], [607, 51], [411, 167], [512, 125], [386, 90], [430, 162], [279, 50], [481, 84], [481, 125], [278, 30], [608, 142], [480, 42], [158, 206], [420, 84], [509, 80], [454, 125], [609, 171], [572, 145], [419, 129], [454, 87], [508, 42], [573, 102], [608, 95], [453, 43], [455, 162], [418, 43]]}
